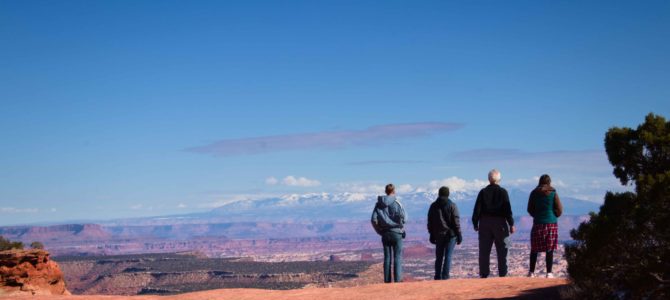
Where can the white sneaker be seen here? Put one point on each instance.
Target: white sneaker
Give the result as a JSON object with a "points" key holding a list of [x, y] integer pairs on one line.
{"points": [[550, 275], [531, 275]]}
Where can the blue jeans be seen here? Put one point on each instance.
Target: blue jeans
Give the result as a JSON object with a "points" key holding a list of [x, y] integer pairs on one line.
{"points": [[444, 248], [392, 242]]}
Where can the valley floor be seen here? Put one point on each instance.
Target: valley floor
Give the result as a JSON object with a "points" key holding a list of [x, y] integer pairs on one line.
{"points": [[496, 288]]}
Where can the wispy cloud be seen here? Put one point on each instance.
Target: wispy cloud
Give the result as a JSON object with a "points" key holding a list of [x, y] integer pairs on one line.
{"points": [[293, 181], [14, 210], [584, 160], [142, 207], [385, 162], [324, 140], [271, 180]]}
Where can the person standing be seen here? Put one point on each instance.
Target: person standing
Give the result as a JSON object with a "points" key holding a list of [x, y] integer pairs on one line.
{"points": [[388, 220], [444, 226], [492, 219], [545, 207]]}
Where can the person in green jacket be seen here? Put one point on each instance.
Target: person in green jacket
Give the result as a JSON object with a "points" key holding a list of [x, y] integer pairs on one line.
{"points": [[545, 207]]}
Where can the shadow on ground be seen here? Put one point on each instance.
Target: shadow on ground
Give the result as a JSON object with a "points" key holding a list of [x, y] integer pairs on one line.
{"points": [[548, 293]]}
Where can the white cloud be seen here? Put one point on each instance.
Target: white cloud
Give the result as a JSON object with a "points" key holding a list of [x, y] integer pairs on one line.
{"points": [[361, 188], [456, 184], [300, 181], [404, 188], [181, 205], [136, 206], [14, 210], [355, 197], [293, 181], [271, 181]]}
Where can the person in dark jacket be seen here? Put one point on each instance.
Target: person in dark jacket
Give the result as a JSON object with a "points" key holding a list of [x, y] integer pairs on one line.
{"points": [[444, 227], [388, 220], [492, 218], [545, 207]]}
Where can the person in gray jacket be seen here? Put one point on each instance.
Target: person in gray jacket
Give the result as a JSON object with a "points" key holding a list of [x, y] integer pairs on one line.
{"points": [[388, 220]]}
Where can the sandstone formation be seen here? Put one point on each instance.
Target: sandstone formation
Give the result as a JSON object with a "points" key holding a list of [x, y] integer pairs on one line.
{"points": [[30, 272]]}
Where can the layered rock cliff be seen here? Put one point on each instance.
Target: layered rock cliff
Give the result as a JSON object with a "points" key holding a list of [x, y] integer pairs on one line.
{"points": [[30, 272]]}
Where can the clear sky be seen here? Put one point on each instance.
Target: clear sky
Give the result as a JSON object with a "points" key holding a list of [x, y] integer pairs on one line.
{"points": [[135, 108]]}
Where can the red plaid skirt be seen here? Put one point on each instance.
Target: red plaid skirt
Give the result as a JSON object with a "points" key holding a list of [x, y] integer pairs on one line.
{"points": [[544, 237]]}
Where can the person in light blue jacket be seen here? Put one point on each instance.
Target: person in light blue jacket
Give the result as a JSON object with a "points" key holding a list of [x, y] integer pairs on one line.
{"points": [[388, 220]]}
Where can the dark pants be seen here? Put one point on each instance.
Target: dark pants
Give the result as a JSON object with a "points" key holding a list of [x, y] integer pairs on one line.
{"points": [[493, 230], [444, 247], [549, 259], [392, 242]]}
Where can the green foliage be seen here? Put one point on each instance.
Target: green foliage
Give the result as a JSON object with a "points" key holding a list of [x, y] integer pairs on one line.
{"points": [[36, 245], [624, 249], [6, 244]]}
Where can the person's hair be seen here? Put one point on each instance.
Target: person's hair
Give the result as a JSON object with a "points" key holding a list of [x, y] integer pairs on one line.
{"points": [[544, 179], [390, 188], [443, 192], [494, 176]]}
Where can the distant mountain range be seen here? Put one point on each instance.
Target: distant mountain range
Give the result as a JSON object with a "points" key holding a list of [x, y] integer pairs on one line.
{"points": [[355, 206], [243, 227]]}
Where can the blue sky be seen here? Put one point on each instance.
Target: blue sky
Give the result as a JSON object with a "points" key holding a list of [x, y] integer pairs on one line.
{"points": [[136, 108]]}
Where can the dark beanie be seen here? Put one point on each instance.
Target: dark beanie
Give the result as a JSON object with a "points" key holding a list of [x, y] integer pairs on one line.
{"points": [[444, 192]]}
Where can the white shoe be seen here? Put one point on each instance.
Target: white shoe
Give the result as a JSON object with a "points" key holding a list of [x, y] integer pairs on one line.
{"points": [[550, 275], [531, 275]]}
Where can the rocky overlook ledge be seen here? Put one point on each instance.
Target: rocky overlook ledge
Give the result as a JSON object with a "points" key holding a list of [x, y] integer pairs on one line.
{"points": [[30, 272]]}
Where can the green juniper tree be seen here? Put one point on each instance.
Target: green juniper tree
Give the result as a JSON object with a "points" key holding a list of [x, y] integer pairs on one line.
{"points": [[624, 249], [6, 244], [36, 245]]}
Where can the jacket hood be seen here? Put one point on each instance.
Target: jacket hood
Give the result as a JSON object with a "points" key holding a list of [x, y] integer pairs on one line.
{"points": [[384, 201], [545, 189]]}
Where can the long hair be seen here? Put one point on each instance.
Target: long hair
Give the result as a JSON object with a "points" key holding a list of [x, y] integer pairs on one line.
{"points": [[544, 179]]}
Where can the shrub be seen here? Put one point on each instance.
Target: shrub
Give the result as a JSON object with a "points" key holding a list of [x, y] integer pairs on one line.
{"points": [[36, 245], [6, 244]]}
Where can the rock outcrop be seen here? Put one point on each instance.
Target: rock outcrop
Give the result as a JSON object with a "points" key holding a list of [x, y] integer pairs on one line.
{"points": [[30, 272]]}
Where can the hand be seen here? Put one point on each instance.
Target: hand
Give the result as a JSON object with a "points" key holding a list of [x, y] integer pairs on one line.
{"points": [[512, 229], [476, 228], [459, 239]]}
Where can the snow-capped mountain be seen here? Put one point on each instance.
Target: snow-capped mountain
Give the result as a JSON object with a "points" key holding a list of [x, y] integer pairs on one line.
{"points": [[357, 206]]}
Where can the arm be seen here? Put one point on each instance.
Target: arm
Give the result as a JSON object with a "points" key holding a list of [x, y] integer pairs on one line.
{"points": [[531, 205], [477, 211], [558, 206], [457, 224], [375, 222], [507, 207], [430, 210]]}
